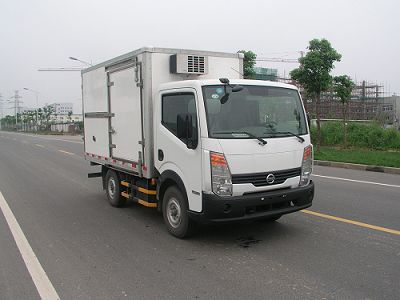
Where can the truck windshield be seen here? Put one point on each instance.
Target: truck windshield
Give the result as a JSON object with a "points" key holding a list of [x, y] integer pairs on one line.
{"points": [[261, 111]]}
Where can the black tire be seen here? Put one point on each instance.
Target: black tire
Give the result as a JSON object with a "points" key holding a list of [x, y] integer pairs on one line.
{"points": [[175, 213], [113, 190]]}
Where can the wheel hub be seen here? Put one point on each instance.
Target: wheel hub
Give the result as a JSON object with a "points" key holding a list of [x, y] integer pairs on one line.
{"points": [[174, 212], [111, 187]]}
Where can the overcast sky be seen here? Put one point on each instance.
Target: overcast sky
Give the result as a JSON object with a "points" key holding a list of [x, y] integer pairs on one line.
{"points": [[39, 34]]}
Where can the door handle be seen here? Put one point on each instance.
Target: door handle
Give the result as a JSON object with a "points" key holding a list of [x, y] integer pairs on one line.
{"points": [[160, 155]]}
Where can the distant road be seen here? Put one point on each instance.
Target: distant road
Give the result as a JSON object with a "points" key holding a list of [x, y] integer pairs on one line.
{"points": [[346, 246]]}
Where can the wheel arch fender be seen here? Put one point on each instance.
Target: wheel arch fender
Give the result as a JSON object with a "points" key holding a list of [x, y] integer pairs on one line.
{"points": [[167, 179]]}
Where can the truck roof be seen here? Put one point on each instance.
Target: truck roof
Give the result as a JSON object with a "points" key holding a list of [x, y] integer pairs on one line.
{"points": [[129, 55], [191, 83]]}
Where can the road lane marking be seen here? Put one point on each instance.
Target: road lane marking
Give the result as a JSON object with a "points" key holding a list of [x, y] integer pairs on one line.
{"points": [[55, 139], [46, 138], [358, 181], [42, 282], [41, 146], [357, 223], [66, 152]]}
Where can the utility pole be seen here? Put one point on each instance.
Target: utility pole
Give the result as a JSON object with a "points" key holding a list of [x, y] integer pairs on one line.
{"points": [[17, 108]]}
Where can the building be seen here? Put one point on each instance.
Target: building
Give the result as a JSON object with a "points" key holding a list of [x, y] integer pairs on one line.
{"points": [[266, 73], [62, 108], [66, 123], [396, 102], [63, 119]]}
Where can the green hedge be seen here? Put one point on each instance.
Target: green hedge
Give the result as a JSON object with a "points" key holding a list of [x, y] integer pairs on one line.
{"points": [[370, 136]]}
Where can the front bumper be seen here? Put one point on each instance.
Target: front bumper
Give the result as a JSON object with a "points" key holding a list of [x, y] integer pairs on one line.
{"points": [[254, 206]]}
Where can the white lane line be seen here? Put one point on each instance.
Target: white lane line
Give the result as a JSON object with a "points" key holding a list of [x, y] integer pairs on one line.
{"points": [[38, 145], [358, 181], [43, 284], [55, 139], [66, 152]]}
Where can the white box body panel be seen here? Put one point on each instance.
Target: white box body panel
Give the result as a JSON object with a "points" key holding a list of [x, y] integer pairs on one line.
{"points": [[126, 123], [95, 100], [118, 101]]}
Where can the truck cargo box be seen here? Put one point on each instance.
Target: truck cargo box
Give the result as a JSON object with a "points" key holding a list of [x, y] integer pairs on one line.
{"points": [[118, 100]]}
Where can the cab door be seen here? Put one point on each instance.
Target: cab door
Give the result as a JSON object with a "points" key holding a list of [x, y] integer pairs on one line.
{"points": [[171, 152]]}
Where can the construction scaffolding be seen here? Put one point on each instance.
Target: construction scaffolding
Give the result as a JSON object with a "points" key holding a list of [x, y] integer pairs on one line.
{"points": [[368, 102]]}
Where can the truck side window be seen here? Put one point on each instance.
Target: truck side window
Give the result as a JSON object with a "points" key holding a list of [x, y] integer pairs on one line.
{"points": [[178, 103]]}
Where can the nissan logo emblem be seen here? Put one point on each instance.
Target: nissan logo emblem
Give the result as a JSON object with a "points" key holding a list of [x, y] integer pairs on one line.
{"points": [[270, 178]]}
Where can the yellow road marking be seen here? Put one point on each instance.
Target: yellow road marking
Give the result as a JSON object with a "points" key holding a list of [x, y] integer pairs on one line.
{"points": [[66, 152], [361, 224], [41, 146], [124, 183]]}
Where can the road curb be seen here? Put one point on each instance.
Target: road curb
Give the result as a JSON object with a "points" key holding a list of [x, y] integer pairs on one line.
{"points": [[360, 167]]}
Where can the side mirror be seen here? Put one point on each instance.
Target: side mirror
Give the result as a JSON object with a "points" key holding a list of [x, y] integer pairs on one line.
{"points": [[185, 130]]}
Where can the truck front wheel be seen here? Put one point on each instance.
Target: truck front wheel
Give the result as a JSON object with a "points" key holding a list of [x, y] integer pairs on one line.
{"points": [[113, 190], [175, 213]]}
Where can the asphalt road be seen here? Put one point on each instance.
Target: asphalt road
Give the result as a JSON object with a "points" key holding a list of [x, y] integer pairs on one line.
{"points": [[90, 250]]}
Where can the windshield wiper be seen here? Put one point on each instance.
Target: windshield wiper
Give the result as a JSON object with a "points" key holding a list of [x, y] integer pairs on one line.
{"points": [[260, 140], [301, 140]]}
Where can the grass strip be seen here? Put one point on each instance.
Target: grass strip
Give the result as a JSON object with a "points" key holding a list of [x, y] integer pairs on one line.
{"points": [[360, 156]]}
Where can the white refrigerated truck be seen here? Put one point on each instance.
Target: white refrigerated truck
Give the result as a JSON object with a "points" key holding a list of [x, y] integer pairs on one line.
{"points": [[181, 131]]}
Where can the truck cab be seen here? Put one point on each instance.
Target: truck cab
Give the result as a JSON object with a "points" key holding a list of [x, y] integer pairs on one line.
{"points": [[239, 149]]}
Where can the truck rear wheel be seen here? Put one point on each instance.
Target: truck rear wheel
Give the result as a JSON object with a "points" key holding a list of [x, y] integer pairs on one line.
{"points": [[175, 213], [113, 190]]}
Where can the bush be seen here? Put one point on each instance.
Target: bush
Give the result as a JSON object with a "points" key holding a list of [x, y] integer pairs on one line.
{"points": [[332, 133], [370, 136]]}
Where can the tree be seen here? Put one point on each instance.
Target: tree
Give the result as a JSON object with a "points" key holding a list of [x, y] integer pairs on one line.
{"points": [[8, 122], [31, 118], [40, 118], [248, 64], [343, 86], [314, 74], [69, 116], [47, 112]]}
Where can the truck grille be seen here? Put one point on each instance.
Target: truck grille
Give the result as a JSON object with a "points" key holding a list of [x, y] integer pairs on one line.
{"points": [[260, 179]]}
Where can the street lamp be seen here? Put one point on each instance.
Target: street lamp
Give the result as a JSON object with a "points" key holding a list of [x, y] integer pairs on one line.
{"points": [[37, 105], [82, 61]]}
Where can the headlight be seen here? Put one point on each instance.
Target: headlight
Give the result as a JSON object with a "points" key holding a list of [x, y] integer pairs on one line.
{"points": [[220, 175], [306, 167]]}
